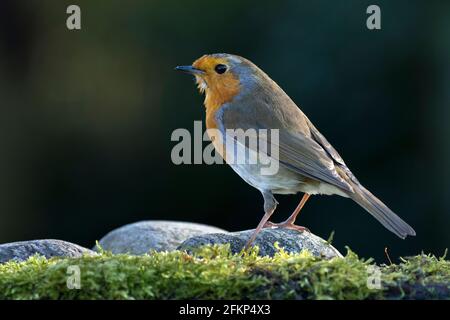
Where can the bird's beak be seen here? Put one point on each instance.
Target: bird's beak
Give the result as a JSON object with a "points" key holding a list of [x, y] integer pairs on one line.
{"points": [[190, 70]]}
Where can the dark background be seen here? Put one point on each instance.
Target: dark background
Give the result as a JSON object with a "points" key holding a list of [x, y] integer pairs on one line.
{"points": [[86, 116]]}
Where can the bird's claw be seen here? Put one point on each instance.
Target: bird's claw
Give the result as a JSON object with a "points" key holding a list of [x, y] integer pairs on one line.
{"points": [[286, 225]]}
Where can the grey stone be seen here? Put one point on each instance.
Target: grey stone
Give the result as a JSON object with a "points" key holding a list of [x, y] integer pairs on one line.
{"points": [[21, 251], [290, 240], [141, 237]]}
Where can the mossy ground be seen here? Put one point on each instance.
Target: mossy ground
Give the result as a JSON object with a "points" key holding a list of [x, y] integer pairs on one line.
{"points": [[214, 273]]}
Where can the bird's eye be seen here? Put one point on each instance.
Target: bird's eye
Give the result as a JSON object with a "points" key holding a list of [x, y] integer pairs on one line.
{"points": [[220, 68]]}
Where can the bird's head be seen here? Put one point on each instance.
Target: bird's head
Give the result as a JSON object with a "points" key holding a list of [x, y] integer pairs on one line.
{"points": [[221, 76]]}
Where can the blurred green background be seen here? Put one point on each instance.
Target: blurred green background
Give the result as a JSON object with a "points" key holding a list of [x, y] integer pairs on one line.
{"points": [[86, 116]]}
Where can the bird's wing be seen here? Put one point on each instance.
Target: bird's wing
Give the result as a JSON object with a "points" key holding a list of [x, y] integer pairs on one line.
{"points": [[298, 150], [320, 139], [304, 155]]}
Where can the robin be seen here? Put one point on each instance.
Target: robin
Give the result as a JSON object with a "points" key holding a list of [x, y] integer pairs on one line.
{"points": [[239, 95]]}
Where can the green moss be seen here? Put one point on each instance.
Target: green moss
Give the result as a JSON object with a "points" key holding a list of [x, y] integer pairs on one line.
{"points": [[214, 273]]}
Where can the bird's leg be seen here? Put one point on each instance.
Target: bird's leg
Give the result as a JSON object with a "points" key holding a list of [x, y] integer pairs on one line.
{"points": [[289, 223], [293, 217], [269, 207]]}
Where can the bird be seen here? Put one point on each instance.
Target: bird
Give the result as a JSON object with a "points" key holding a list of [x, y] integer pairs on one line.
{"points": [[239, 95]]}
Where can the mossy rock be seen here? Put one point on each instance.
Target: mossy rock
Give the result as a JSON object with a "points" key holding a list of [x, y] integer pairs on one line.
{"points": [[213, 272]]}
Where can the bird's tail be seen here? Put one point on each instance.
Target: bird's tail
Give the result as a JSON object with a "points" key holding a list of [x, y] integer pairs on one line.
{"points": [[381, 212]]}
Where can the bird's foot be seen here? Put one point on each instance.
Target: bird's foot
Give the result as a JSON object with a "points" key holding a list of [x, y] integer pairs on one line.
{"points": [[287, 225]]}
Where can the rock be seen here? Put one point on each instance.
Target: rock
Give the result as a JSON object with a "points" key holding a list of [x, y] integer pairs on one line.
{"points": [[21, 251], [290, 240], [141, 237]]}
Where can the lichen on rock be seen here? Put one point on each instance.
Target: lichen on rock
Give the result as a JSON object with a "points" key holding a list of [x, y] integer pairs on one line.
{"points": [[267, 241], [160, 235], [20, 251]]}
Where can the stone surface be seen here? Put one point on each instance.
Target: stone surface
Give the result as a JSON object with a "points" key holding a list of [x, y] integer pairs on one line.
{"points": [[290, 240], [21, 251], [141, 237]]}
